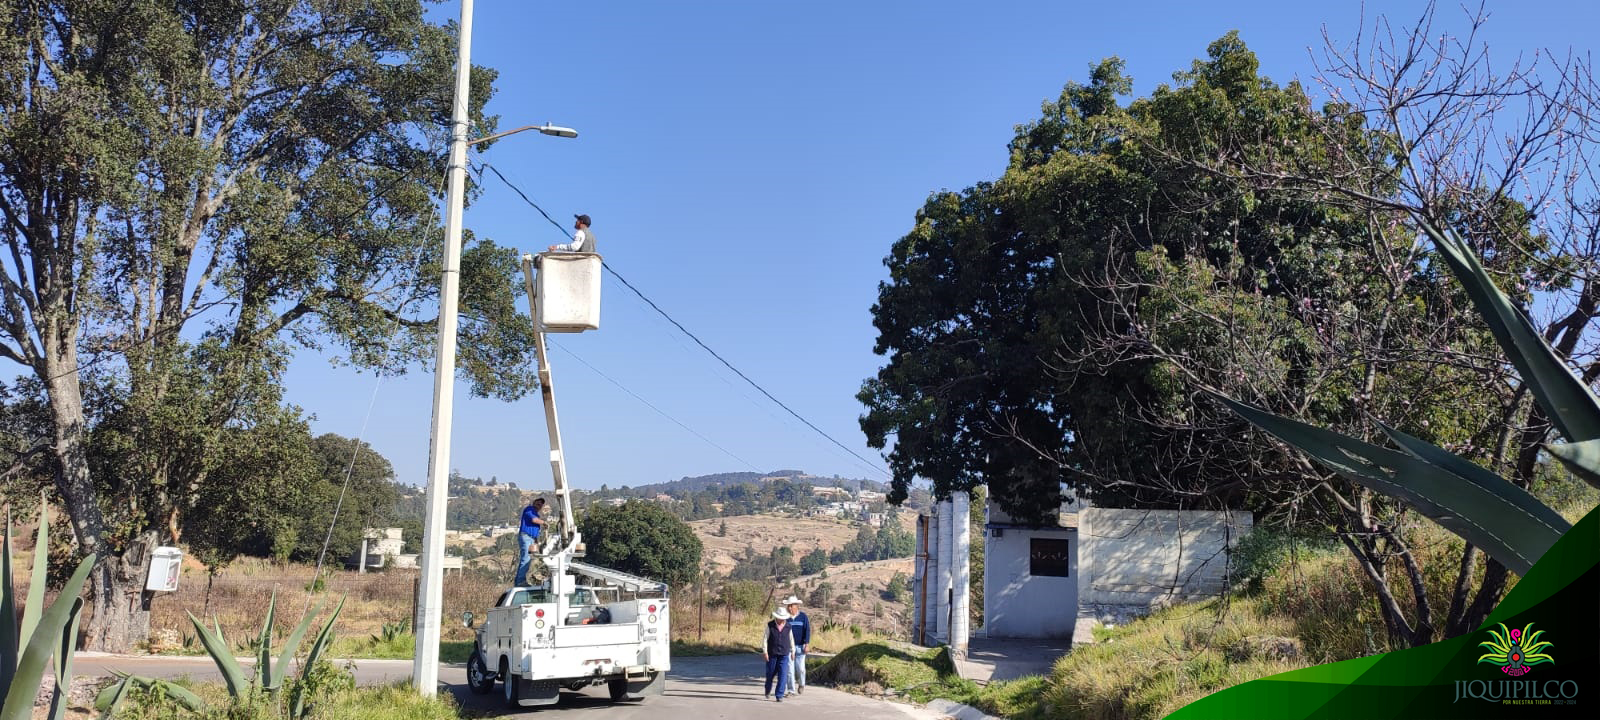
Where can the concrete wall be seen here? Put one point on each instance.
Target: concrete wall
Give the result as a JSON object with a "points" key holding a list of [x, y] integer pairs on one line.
{"points": [[1152, 557], [1018, 604]]}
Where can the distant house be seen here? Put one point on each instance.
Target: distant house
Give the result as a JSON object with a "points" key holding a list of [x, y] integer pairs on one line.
{"points": [[614, 502], [494, 531], [868, 496], [874, 519], [381, 544], [830, 493]]}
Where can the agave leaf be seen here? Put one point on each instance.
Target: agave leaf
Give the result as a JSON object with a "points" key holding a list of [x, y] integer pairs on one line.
{"points": [[1571, 405], [30, 664], [1582, 458], [37, 578], [8, 613], [1522, 500], [222, 656], [324, 638], [1479, 516], [177, 692], [264, 646], [292, 645], [111, 696], [64, 651], [297, 698]]}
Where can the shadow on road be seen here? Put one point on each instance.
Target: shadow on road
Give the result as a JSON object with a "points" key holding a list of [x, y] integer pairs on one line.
{"points": [[713, 685]]}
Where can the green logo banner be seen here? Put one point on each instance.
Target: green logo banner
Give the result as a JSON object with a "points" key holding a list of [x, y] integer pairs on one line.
{"points": [[1537, 656]]}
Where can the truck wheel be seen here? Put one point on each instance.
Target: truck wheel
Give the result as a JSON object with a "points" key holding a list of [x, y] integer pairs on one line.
{"points": [[510, 681], [618, 688], [478, 676]]}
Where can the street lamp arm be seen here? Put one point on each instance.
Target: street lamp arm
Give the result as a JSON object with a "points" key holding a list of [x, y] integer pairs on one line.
{"points": [[547, 129]]}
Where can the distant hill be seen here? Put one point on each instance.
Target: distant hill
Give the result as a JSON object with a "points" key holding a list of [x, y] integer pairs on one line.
{"points": [[686, 486]]}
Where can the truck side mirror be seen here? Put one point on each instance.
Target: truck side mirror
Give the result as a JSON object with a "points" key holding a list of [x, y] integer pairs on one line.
{"points": [[466, 618]]}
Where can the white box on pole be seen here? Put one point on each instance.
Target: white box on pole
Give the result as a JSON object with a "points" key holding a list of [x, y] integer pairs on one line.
{"points": [[166, 564], [569, 291]]}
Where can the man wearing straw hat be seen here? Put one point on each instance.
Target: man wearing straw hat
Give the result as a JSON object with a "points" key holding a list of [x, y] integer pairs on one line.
{"points": [[800, 627], [776, 648]]}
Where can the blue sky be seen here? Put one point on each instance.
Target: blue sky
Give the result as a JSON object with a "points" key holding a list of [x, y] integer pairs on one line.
{"points": [[748, 165]]}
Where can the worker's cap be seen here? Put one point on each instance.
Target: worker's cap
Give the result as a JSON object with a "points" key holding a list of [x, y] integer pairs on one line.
{"points": [[780, 614], [791, 600], [583, 219]]}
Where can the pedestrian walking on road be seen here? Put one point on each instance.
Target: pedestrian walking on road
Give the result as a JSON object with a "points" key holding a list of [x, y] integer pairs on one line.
{"points": [[528, 538], [800, 628], [776, 648]]}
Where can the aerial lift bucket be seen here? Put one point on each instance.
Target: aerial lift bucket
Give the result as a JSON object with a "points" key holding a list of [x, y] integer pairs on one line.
{"points": [[568, 291]]}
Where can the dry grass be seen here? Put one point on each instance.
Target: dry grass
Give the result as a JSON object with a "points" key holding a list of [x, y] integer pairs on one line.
{"points": [[238, 599]]}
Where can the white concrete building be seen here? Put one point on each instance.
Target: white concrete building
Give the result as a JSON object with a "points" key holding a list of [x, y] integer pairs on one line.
{"points": [[1084, 565]]}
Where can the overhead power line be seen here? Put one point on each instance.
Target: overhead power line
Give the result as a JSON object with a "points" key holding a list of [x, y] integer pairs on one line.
{"points": [[865, 462], [659, 411]]}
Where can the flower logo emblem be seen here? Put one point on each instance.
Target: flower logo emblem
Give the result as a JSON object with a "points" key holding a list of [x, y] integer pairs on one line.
{"points": [[1515, 651]]}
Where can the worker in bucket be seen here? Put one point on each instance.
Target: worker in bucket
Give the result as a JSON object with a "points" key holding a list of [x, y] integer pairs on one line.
{"points": [[528, 538], [776, 648], [800, 627], [582, 237]]}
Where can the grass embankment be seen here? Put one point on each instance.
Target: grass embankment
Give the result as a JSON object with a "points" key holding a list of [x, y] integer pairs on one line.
{"points": [[876, 667]]}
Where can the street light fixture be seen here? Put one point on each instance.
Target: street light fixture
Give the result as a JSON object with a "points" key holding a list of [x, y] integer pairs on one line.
{"points": [[547, 129]]}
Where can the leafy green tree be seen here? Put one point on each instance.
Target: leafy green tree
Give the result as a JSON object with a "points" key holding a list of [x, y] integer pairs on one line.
{"points": [[896, 587], [814, 562], [643, 538], [745, 595], [1048, 333], [893, 541], [783, 562], [368, 499], [192, 189]]}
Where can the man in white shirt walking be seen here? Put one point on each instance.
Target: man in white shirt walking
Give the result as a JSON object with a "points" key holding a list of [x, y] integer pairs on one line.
{"points": [[582, 239]]}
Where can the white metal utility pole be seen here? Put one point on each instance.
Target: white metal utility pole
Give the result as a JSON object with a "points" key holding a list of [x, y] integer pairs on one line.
{"points": [[430, 591]]}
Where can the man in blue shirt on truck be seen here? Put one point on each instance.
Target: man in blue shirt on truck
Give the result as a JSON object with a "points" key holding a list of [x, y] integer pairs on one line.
{"points": [[528, 538]]}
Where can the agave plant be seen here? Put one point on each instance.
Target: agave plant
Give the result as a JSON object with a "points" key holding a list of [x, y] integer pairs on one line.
{"points": [[1483, 508], [268, 677], [1514, 650], [391, 632], [45, 632]]}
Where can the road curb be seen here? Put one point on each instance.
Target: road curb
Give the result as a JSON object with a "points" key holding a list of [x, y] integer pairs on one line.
{"points": [[958, 711]]}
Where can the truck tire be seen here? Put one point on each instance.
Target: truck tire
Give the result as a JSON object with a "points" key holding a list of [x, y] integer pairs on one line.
{"points": [[512, 697], [478, 676], [618, 688]]}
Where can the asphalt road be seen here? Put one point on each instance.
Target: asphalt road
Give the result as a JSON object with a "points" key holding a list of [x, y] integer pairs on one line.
{"points": [[698, 688]]}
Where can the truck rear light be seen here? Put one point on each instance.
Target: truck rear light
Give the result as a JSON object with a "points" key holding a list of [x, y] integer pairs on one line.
{"points": [[652, 608], [538, 623], [652, 618], [538, 613]]}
